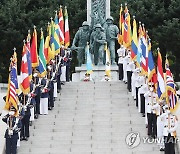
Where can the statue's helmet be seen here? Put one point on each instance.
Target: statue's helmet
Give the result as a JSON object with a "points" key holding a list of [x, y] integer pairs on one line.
{"points": [[98, 26], [85, 23], [110, 18]]}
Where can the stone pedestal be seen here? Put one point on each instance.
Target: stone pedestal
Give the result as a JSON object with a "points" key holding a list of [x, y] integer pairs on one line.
{"points": [[97, 75]]}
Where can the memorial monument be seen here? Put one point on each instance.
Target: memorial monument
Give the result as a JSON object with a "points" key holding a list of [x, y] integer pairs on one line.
{"points": [[100, 31]]}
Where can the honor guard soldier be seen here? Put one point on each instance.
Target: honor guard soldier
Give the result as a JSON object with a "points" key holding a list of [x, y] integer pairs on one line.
{"points": [[26, 118], [160, 124], [170, 126], [121, 54], [11, 134], [58, 68], [44, 96], [151, 106], [37, 82], [142, 90], [129, 69], [51, 78]]}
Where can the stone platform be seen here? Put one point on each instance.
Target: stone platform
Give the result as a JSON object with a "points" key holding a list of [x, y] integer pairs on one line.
{"points": [[97, 75]]}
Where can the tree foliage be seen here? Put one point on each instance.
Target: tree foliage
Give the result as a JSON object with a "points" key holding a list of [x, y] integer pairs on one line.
{"points": [[161, 19]]}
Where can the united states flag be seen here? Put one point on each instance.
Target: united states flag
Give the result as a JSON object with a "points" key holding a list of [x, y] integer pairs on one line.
{"points": [[11, 98]]}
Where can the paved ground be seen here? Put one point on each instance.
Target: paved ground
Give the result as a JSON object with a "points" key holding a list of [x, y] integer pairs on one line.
{"points": [[89, 119]]}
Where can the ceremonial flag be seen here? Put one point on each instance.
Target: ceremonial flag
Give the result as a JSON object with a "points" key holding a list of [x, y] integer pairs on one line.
{"points": [[56, 35], [28, 49], [88, 60], [61, 25], [139, 52], [127, 29], [24, 74], [52, 40], [134, 43], [108, 62], [144, 61], [121, 26], [67, 36], [152, 76], [170, 89], [42, 58], [11, 97], [34, 54], [160, 77]]}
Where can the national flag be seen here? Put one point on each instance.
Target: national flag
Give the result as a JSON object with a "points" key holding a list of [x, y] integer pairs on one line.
{"points": [[121, 26], [47, 48], [67, 35], [152, 76], [144, 48], [56, 35], [134, 43], [108, 62], [88, 60], [24, 74], [52, 40], [34, 54], [170, 89], [28, 49], [127, 29], [11, 97], [160, 77], [42, 58], [61, 25], [139, 52]]}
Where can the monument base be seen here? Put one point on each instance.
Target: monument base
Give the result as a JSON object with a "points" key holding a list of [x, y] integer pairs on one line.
{"points": [[97, 74]]}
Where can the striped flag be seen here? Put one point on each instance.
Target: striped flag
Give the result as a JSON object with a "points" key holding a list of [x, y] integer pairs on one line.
{"points": [[170, 89], [152, 76], [34, 54], [67, 35], [61, 26], [144, 47], [160, 77], [134, 43], [24, 74], [42, 58], [11, 97]]}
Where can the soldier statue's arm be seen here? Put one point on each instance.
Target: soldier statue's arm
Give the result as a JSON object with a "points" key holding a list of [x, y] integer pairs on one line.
{"points": [[102, 40], [75, 40]]}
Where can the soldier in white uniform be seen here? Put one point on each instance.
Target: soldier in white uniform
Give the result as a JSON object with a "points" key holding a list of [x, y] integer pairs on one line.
{"points": [[121, 54], [151, 109], [129, 69], [142, 90], [135, 75], [170, 126], [160, 125]]}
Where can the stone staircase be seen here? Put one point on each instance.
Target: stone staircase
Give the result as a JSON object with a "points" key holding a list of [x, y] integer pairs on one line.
{"points": [[89, 118]]}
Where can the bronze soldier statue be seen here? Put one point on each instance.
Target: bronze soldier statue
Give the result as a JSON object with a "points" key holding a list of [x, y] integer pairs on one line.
{"points": [[80, 40]]}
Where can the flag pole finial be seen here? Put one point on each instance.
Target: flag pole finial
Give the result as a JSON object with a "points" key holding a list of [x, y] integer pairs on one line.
{"points": [[140, 22], [34, 27], [51, 18], [60, 6], [87, 43], [158, 49], [121, 5], [29, 31], [14, 49], [134, 16], [126, 4], [24, 41]]}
